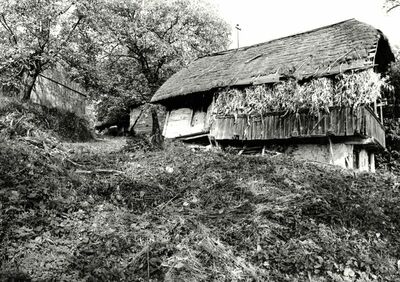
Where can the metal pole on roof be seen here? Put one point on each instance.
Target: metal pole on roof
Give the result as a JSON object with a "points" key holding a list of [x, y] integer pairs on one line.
{"points": [[237, 34]]}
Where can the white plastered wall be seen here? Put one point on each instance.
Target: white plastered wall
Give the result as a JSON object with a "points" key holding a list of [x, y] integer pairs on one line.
{"points": [[337, 154], [184, 121], [363, 160]]}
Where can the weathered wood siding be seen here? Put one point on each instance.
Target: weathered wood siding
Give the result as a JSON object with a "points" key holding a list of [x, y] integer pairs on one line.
{"points": [[50, 92], [185, 121], [339, 122]]}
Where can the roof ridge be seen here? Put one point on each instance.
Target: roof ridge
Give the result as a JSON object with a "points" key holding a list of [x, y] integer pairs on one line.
{"points": [[280, 38]]}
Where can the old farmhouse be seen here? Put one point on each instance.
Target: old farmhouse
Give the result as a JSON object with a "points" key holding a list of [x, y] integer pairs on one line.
{"points": [[316, 93]]}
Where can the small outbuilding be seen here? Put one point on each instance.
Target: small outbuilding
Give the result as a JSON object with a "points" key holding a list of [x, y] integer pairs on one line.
{"points": [[55, 89], [317, 93]]}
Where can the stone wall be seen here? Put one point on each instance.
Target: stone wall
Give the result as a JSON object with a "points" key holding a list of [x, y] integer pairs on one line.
{"points": [[340, 154]]}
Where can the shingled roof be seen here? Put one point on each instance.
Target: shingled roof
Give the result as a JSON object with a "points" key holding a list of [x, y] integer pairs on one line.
{"points": [[320, 52]]}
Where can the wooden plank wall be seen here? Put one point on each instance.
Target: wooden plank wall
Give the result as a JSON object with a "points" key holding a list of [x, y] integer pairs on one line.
{"points": [[54, 95], [374, 128], [185, 121], [339, 122]]}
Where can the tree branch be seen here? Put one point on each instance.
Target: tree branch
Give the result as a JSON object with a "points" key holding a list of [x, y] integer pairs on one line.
{"points": [[64, 11], [69, 34], [45, 34], [393, 7], [73, 29], [7, 27], [171, 26]]}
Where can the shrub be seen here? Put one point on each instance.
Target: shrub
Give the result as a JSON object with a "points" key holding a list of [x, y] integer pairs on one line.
{"points": [[28, 119]]}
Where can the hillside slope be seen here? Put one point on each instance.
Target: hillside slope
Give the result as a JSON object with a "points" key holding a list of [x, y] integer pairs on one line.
{"points": [[96, 212]]}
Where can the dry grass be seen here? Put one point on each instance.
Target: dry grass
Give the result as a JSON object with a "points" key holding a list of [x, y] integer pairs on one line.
{"points": [[182, 214], [104, 145]]}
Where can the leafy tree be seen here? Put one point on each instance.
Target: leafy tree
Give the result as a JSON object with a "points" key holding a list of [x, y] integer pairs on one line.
{"points": [[394, 81], [33, 36], [159, 37], [143, 43]]}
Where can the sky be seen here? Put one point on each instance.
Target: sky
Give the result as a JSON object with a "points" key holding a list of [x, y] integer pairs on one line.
{"points": [[263, 20]]}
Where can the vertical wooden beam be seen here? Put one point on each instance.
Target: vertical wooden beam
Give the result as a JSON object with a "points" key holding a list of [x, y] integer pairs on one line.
{"points": [[372, 162], [166, 122], [331, 150], [210, 140]]}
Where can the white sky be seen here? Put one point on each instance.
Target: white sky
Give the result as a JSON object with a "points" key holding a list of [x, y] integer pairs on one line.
{"points": [[263, 20]]}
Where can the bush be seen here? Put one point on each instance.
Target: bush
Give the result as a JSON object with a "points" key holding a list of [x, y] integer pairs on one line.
{"points": [[25, 119]]}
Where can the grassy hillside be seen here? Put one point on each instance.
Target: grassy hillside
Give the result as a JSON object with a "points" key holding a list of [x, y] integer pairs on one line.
{"points": [[98, 211]]}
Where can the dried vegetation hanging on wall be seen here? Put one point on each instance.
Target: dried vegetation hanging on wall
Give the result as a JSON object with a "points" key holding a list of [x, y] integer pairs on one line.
{"points": [[345, 90]]}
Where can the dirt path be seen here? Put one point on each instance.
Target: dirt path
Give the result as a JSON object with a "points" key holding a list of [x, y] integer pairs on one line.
{"points": [[100, 145]]}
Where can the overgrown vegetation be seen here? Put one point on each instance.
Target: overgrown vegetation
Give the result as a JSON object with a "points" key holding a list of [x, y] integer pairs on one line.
{"points": [[127, 211], [34, 35], [389, 159], [344, 90], [120, 51], [103, 211], [393, 97], [29, 120], [127, 49]]}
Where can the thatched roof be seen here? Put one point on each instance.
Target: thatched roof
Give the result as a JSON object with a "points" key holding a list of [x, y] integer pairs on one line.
{"points": [[320, 52]]}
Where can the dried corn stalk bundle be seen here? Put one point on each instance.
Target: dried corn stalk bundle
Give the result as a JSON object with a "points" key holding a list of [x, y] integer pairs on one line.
{"points": [[231, 102], [316, 95], [356, 89], [260, 99]]}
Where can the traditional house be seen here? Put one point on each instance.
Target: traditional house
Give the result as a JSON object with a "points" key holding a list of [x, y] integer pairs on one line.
{"points": [[341, 59]]}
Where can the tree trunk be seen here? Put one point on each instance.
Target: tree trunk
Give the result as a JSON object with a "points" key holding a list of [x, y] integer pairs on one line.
{"points": [[156, 138], [28, 82]]}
